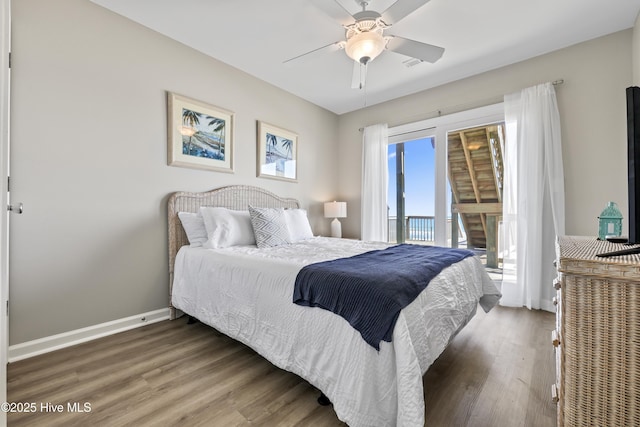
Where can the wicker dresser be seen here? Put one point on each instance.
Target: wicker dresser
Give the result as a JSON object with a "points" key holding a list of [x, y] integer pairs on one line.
{"points": [[597, 336]]}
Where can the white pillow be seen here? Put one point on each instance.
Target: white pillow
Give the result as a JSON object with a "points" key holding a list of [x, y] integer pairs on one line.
{"points": [[298, 224], [226, 227], [269, 226], [193, 225]]}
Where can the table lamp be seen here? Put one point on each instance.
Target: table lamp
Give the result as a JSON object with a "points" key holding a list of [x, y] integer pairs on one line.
{"points": [[335, 210]]}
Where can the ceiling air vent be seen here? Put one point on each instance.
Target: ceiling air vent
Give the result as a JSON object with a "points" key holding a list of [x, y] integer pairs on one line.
{"points": [[411, 62]]}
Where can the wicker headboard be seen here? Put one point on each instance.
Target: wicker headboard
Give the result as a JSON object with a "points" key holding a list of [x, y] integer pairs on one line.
{"points": [[236, 197]]}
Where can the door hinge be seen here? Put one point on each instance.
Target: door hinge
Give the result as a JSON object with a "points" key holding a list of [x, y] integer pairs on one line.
{"points": [[7, 308], [9, 60]]}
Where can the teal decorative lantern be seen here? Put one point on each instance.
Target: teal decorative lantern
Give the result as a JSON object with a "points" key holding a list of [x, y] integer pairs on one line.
{"points": [[610, 222]]}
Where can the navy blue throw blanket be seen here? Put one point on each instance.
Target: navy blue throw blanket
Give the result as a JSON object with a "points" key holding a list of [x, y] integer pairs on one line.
{"points": [[369, 290]]}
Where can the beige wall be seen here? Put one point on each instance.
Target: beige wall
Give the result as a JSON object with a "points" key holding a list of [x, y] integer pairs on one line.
{"points": [[88, 156], [636, 52], [592, 110]]}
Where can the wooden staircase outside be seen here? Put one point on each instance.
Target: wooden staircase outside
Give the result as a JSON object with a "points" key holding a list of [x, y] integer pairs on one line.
{"points": [[476, 179]]}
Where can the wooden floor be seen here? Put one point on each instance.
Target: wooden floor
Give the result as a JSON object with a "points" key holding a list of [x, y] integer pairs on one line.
{"points": [[497, 372]]}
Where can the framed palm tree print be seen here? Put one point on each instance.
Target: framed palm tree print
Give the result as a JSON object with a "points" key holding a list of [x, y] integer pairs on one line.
{"points": [[277, 152], [199, 135]]}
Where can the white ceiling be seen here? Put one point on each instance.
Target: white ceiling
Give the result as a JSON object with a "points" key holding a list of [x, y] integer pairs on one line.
{"points": [[256, 36]]}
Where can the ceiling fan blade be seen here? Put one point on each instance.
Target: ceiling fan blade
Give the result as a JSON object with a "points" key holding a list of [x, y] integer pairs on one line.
{"points": [[300, 59], [414, 49], [359, 77], [400, 9], [334, 10]]}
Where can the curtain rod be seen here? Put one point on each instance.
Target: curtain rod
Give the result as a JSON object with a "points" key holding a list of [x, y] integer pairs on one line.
{"points": [[482, 103]]}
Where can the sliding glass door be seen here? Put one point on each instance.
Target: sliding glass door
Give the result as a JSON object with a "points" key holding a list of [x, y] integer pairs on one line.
{"points": [[475, 176], [411, 198], [445, 181]]}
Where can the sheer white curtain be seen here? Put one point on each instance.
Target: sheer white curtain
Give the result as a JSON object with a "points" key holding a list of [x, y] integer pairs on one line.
{"points": [[374, 183], [533, 199]]}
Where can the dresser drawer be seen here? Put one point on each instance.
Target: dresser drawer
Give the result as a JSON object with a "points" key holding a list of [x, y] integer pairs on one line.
{"points": [[558, 360], [557, 302]]}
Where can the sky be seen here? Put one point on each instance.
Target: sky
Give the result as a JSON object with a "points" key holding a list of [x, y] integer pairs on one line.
{"points": [[419, 178]]}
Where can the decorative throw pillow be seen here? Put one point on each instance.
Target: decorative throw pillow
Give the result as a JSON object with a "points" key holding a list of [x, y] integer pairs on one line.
{"points": [[226, 227], [193, 225], [269, 226], [298, 224]]}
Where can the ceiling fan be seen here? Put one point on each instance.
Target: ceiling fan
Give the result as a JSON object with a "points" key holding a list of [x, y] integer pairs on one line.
{"points": [[366, 38]]}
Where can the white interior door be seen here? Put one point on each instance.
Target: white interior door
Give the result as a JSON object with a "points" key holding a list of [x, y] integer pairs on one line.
{"points": [[5, 48]]}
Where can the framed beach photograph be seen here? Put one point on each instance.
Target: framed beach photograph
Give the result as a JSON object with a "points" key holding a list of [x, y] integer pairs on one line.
{"points": [[199, 135], [277, 152]]}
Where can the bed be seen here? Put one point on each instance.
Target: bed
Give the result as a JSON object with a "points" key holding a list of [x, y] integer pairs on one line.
{"points": [[246, 293]]}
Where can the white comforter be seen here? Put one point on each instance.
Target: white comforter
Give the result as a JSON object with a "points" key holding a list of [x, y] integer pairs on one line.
{"points": [[246, 293]]}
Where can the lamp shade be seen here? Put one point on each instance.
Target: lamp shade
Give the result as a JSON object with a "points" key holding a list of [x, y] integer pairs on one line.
{"points": [[368, 44], [335, 209]]}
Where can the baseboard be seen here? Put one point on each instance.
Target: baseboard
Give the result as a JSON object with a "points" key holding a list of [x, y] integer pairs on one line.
{"points": [[547, 305], [67, 339]]}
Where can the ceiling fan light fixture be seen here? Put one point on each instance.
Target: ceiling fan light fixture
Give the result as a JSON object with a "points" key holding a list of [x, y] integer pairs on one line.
{"points": [[367, 44]]}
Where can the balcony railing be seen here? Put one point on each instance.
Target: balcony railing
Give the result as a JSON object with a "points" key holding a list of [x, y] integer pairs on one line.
{"points": [[417, 228], [422, 229]]}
